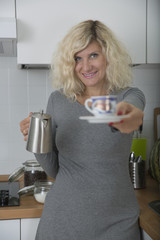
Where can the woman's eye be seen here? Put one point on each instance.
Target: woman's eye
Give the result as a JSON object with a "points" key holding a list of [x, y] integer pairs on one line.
{"points": [[93, 55], [77, 59]]}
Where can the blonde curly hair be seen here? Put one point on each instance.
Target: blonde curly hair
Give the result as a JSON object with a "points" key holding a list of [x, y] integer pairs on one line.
{"points": [[118, 71]]}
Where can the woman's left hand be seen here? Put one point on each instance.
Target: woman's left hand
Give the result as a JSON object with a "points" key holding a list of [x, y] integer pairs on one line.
{"points": [[134, 120]]}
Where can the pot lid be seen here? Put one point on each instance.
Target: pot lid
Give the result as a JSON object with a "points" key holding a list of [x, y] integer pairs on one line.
{"points": [[43, 183], [29, 190], [16, 174], [40, 115]]}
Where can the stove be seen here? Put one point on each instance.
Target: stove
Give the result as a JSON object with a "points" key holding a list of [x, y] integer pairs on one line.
{"points": [[9, 194]]}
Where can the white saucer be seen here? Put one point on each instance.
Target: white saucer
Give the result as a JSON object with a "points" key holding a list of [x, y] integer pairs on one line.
{"points": [[104, 119]]}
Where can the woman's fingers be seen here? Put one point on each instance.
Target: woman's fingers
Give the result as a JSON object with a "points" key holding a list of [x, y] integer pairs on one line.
{"points": [[24, 126], [134, 120]]}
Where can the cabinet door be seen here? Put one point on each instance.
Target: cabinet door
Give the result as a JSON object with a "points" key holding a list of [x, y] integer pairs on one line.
{"points": [[153, 31], [42, 24], [10, 229], [7, 9], [29, 228]]}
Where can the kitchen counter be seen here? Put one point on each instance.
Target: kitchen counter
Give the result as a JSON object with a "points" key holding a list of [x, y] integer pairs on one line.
{"points": [[149, 220], [29, 207]]}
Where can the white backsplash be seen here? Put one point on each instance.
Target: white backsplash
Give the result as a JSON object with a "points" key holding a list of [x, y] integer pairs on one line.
{"points": [[23, 91]]}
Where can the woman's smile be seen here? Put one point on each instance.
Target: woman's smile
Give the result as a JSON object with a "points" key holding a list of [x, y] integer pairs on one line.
{"points": [[89, 75]]}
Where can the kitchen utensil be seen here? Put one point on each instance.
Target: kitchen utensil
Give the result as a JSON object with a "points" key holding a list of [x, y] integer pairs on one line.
{"points": [[139, 159], [131, 157], [106, 118], [9, 194], [101, 105], [40, 133], [138, 173], [39, 189]]}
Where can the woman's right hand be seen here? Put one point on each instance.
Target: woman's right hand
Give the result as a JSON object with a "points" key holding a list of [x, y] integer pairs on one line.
{"points": [[24, 126]]}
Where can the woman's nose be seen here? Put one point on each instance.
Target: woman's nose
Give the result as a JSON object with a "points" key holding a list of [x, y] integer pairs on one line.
{"points": [[86, 65]]}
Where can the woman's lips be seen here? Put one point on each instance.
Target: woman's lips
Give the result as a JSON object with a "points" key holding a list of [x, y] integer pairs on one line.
{"points": [[89, 75]]}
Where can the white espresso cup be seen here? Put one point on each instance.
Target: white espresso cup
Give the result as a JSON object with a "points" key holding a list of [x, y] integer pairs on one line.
{"points": [[101, 106]]}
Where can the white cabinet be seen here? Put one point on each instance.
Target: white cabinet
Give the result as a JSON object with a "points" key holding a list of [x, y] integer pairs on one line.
{"points": [[7, 9], [10, 229], [153, 31], [42, 24], [29, 228], [19, 229], [7, 28], [25, 229]]}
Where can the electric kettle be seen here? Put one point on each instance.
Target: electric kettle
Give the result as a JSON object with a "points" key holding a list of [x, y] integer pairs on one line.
{"points": [[40, 133]]}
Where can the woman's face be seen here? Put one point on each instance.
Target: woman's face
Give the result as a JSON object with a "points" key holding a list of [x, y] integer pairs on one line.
{"points": [[91, 65]]}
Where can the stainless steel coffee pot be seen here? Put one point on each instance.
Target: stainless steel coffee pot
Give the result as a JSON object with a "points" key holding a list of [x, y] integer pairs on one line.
{"points": [[40, 133]]}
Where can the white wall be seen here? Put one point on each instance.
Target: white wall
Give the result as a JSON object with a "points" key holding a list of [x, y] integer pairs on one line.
{"points": [[22, 91], [147, 78]]}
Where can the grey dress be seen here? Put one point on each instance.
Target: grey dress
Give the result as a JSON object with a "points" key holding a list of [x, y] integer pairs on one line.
{"points": [[92, 197]]}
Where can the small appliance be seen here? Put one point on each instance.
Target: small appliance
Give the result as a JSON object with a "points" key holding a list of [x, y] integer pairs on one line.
{"points": [[9, 194]]}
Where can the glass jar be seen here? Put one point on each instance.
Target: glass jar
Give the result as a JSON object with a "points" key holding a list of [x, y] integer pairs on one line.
{"points": [[41, 189], [32, 172]]}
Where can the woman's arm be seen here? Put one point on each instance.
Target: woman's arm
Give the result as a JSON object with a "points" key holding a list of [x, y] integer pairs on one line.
{"points": [[132, 103], [49, 161], [134, 120]]}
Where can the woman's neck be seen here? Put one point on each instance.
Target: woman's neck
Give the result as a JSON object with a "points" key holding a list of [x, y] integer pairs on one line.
{"points": [[95, 92], [89, 93]]}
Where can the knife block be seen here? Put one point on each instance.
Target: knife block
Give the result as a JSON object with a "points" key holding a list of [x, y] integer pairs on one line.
{"points": [[138, 174]]}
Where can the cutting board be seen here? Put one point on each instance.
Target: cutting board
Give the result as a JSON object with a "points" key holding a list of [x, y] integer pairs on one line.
{"points": [[156, 123]]}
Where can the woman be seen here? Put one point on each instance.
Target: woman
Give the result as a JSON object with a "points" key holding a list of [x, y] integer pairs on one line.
{"points": [[92, 197]]}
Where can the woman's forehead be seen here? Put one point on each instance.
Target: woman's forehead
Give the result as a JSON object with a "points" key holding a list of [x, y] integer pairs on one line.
{"points": [[94, 46]]}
